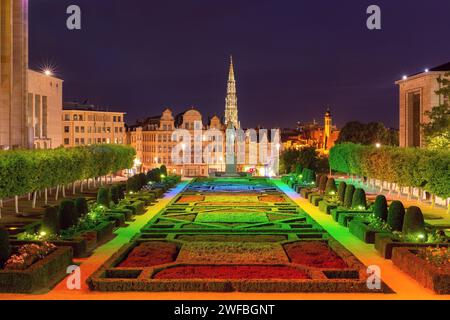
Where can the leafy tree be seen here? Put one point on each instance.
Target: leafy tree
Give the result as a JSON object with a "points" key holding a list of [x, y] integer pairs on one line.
{"points": [[367, 134], [437, 130], [308, 157]]}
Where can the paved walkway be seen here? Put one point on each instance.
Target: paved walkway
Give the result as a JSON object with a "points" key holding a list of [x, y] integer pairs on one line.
{"points": [[405, 287]]}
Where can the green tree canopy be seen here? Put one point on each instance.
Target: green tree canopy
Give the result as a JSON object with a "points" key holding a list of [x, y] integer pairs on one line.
{"points": [[368, 134], [437, 130]]}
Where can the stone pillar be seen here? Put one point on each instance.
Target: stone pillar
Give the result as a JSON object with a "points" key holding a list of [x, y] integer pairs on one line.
{"points": [[14, 131]]}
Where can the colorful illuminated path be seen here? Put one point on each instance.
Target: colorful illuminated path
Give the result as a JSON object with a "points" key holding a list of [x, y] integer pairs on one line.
{"points": [[405, 287]]}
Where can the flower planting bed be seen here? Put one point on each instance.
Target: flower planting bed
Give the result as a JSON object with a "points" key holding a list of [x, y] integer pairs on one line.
{"points": [[40, 276], [232, 272], [256, 217], [386, 242], [428, 274], [314, 254], [232, 253], [149, 254], [241, 235]]}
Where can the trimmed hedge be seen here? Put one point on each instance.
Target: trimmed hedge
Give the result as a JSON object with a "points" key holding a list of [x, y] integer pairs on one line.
{"points": [[396, 214], [5, 247], [348, 198], [24, 171], [50, 221], [341, 191], [380, 208], [81, 206], [413, 223], [408, 167], [359, 201], [68, 215], [103, 197]]}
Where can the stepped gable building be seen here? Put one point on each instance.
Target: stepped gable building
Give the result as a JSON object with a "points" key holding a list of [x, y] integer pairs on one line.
{"points": [[417, 95], [152, 138]]}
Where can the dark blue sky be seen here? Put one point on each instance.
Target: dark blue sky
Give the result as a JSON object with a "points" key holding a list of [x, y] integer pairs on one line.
{"points": [[292, 58]]}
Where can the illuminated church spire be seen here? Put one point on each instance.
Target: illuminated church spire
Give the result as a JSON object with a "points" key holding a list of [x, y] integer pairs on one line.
{"points": [[231, 110]]}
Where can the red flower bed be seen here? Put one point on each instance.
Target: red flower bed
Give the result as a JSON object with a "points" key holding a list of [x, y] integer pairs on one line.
{"points": [[150, 254], [231, 272], [271, 199], [314, 254], [188, 199]]}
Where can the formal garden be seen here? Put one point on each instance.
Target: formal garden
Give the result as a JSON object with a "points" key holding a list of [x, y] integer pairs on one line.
{"points": [[397, 231], [243, 234], [232, 235]]}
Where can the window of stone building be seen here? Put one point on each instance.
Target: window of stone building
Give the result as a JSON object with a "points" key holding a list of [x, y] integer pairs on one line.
{"points": [[82, 129], [66, 129], [75, 117], [67, 117], [116, 130], [82, 140], [66, 141], [77, 129], [29, 109], [114, 119], [37, 115], [77, 141], [414, 115], [104, 140], [89, 140], [99, 140], [44, 116], [108, 129], [80, 117]]}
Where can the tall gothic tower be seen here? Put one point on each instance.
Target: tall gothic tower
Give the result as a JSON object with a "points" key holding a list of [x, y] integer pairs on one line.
{"points": [[231, 109], [14, 123]]}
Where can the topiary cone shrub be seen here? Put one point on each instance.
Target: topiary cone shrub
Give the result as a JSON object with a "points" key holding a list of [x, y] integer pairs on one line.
{"points": [[323, 182], [68, 216], [5, 247], [163, 170], [132, 184], [380, 208], [413, 222], [103, 197], [330, 188], [318, 177], [349, 191], [115, 194], [142, 180], [359, 201], [81, 206], [341, 191], [50, 221], [396, 214]]}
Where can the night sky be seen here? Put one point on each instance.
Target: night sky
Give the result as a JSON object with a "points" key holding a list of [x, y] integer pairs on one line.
{"points": [[292, 58]]}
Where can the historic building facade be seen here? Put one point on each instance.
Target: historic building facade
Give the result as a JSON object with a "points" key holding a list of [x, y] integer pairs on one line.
{"points": [[15, 126], [417, 96], [153, 140], [322, 137], [86, 125], [44, 109]]}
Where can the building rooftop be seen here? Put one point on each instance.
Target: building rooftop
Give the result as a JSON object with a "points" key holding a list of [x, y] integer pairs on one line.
{"points": [[441, 68], [85, 106]]}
